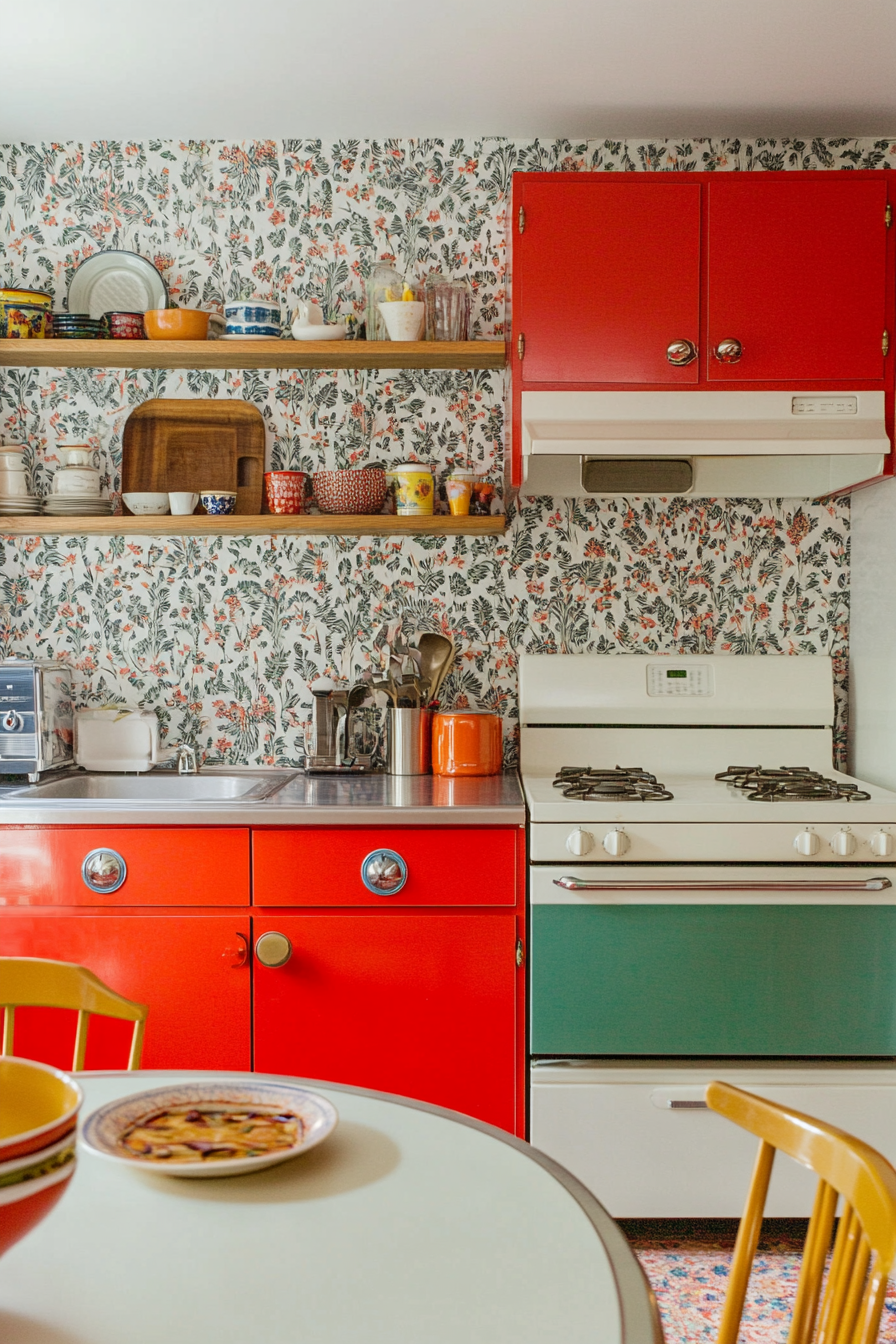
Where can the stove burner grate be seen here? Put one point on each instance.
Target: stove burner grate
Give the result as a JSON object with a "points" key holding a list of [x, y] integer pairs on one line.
{"points": [[796, 783], [625, 782]]}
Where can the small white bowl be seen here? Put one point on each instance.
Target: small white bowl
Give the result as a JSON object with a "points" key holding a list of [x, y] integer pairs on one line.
{"points": [[338, 332], [144, 502]]}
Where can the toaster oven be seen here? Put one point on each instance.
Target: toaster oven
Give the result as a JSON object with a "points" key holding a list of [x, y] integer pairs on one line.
{"points": [[35, 717]]}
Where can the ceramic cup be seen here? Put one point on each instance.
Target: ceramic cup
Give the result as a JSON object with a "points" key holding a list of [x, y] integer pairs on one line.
{"points": [[481, 496], [285, 491], [253, 313], [76, 481], [218, 501], [458, 488], [182, 501], [413, 487], [143, 502], [404, 321], [13, 482]]}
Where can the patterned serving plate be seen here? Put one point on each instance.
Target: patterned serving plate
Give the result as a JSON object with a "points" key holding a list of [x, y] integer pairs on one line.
{"points": [[105, 1127]]}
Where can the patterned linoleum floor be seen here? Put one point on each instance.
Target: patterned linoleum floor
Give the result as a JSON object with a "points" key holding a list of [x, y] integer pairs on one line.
{"points": [[687, 1263]]}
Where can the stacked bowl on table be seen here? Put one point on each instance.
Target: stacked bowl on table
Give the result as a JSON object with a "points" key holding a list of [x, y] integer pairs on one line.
{"points": [[15, 497], [38, 1118], [78, 327]]}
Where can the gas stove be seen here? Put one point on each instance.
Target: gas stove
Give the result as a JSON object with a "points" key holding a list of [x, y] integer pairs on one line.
{"points": [[737, 917]]}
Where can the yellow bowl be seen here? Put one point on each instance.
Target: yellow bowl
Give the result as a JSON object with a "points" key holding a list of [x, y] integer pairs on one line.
{"points": [[38, 1105], [32, 296]]}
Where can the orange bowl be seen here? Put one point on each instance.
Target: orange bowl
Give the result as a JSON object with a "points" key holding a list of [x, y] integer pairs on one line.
{"points": [[38, 1105], [23, 1206], [176, 324]]}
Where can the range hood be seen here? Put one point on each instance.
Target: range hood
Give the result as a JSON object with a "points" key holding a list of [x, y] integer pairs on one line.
{"points": [[798, 445]]}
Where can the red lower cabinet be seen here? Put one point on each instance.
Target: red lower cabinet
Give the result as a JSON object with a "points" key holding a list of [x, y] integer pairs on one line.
{"points": [[186, 966], [424, 1005]]}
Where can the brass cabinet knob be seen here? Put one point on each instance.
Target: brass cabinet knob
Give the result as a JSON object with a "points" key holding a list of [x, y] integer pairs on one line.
{"points": [[273, 950], [728, 351], [104, 870], [384, 872], [681, 353]]}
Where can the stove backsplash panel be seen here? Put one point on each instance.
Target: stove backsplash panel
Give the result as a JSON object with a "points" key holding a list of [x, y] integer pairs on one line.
{"points": [[221, 636]]}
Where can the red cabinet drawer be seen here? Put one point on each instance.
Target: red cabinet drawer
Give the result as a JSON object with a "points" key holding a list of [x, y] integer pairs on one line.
{"points": [[191, 970], [165, 866], [446, 866]]}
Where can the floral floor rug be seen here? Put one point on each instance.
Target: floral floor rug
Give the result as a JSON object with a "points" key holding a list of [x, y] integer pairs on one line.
{"points": [[687, 1263]]}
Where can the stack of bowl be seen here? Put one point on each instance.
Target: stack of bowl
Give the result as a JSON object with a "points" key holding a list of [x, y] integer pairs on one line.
{"points": [[78, 327], [76, 485], [15, 497], [24, 313], [38, 1115]]}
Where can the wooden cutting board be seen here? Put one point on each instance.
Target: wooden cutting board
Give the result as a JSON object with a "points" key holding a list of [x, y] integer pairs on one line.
{"points": [[195, 444]]}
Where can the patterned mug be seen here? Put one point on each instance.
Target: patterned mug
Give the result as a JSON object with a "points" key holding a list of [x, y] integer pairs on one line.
{"points": [[218, 501], [285, 491], [413, 486]]}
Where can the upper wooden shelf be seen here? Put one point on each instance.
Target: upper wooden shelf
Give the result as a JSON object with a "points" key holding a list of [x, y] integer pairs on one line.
{"points": [[251, 524], [253, 354]]}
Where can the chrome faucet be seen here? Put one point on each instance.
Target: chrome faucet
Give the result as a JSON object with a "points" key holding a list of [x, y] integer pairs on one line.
{"points": [[185, 755]]}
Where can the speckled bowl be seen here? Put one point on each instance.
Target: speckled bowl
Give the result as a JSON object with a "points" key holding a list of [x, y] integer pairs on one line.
{"points": [[361, 490]]}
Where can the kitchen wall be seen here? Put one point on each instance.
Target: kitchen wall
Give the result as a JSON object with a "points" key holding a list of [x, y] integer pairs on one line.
{"points": [[222, 636]]}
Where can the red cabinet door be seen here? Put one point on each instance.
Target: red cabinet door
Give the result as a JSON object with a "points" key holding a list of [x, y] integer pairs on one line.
{"points": [[796, 272], [182, 965], [606, 275], [420, 1005]]}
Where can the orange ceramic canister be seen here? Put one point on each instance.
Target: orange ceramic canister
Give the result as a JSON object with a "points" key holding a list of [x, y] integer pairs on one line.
{"points": [[466, 742]]}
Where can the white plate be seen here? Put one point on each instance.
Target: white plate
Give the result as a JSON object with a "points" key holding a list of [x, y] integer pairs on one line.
{"points": [[334, 333], [119, 282], [104, 1127]]}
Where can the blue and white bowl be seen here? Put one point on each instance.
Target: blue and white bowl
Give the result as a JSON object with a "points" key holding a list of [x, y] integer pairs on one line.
{"points": [[252, 312], [218, 501], [253, 329]]}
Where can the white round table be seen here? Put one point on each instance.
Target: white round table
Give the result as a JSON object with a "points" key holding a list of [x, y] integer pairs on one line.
{"points": [[409, 1225]]}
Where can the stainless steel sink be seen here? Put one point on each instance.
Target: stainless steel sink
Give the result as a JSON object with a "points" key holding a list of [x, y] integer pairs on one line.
{"points": [[205, 787]]}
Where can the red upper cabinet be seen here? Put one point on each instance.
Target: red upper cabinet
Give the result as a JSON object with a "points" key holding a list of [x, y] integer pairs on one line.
{"points": [[606, 277], [796, 274]]}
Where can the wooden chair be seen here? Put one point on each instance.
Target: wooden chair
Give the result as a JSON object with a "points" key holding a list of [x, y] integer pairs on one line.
{"points": [[865, 1244], [34, 983]]}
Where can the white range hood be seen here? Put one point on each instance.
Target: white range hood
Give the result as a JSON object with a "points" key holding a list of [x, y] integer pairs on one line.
{"points": [[701, 443]]}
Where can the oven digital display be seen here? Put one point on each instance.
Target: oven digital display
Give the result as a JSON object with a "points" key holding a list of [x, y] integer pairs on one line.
{"points": [[694, 680]]}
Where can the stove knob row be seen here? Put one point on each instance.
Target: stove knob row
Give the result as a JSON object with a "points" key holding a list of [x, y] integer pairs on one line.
{"points": [[580, 842], [616, 843], [807, 843], [881, 844], [843, 843]]}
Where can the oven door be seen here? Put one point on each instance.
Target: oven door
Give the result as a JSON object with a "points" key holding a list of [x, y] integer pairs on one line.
{"points": [[713, 961]]}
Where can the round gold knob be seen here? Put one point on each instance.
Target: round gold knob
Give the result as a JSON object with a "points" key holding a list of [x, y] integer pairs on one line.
{"points": [[728, 351], [681, 353], [273, 950]]}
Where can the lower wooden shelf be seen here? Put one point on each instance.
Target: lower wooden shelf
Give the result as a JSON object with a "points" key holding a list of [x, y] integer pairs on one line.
{"points": [[250, 525]]}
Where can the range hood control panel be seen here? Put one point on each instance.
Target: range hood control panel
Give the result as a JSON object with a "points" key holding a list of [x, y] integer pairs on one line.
{"points": [[679, 680]]}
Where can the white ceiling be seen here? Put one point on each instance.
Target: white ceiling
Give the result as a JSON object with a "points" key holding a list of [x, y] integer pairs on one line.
{"points": [[112, 69]]}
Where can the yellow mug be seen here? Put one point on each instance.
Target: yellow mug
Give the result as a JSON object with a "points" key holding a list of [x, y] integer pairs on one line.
{"points": [[459, 488], [413, 486]]}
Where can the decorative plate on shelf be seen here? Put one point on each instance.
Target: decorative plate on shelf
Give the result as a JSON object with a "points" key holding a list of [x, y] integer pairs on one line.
{"points": [[210, 1129], [116, 282]]}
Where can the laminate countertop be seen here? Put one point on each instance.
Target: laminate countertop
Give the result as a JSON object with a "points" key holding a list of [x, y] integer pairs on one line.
{"points": [[303, 800]]}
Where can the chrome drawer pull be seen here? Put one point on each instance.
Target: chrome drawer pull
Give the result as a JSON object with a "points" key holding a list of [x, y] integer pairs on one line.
{"points": [[577, 884], [103, 870], [384, 872]]}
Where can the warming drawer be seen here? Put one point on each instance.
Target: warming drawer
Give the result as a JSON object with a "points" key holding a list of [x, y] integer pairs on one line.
{"points": [[687, 967], [634, 1135]]}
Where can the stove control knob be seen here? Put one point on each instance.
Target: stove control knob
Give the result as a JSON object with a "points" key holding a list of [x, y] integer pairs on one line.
{"points": [[881, 844], [12, 721], [616, 843], [580, 842], [807, 843], [843, 843]]}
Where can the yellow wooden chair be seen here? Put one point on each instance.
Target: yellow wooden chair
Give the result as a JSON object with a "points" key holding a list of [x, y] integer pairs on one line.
{"points": [[865, 1244], [34, 983]]}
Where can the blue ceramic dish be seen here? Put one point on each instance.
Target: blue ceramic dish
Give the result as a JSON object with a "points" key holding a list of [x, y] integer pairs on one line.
{"points": [[218, 501]]}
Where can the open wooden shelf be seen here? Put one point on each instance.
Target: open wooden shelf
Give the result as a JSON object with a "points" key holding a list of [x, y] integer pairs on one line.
{"points": [[251, 525], [287, 354]]}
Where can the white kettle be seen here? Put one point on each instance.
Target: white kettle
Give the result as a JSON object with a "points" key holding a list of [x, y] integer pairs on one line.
{"points": [[116, 739]]}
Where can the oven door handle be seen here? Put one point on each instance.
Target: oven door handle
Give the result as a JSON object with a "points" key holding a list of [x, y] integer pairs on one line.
{"points": [[578, 884]]}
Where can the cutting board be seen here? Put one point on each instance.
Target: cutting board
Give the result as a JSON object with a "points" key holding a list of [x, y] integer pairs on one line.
{"points": [[195, 444]]}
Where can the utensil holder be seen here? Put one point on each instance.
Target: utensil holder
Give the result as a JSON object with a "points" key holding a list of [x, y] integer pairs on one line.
{"points": [[410, 741]]}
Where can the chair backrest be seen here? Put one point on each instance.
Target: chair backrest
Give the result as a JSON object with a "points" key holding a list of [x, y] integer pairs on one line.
{"points": [[34, 983], [865, 1245]]}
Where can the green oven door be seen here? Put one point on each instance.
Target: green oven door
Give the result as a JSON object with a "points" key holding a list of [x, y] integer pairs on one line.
{"points": [[713, 980]]}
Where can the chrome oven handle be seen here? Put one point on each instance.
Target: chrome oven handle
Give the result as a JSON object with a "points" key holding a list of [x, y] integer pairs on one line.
{"points": [[577, 884]]}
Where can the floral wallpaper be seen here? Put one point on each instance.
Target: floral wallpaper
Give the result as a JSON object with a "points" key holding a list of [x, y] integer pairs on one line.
{"points": [[222, 636]]}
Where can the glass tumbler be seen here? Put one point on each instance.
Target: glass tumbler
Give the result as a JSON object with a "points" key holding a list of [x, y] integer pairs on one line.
{"points": [[447, 308]]}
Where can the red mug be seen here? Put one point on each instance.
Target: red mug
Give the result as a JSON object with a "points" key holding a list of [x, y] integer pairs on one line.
{"points": [[285, 491]]}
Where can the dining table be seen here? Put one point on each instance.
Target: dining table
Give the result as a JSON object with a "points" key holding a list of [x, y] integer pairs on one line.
{"points": [[409, 1224]]}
